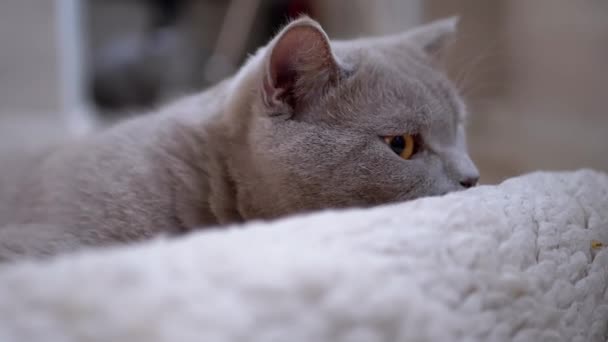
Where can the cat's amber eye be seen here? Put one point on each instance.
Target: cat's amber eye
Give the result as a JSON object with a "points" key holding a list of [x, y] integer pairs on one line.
{"points": [[403, 145]]}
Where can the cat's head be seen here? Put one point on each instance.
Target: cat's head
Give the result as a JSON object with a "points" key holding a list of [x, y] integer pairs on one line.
{"points": [[351, 123]]}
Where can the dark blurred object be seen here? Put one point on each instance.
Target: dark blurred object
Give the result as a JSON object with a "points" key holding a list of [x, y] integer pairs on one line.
{"points": [[139, 69], [166, 12], [128, 72]]}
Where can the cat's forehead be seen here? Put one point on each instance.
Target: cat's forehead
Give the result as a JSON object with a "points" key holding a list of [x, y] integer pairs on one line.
{"points": [[396, 88]]}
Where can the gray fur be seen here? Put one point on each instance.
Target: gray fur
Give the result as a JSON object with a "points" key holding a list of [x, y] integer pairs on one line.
{"points": [[297, 129]]}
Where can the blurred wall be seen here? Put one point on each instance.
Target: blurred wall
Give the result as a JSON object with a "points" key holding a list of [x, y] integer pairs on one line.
{"points": [[352, 18], [31, 89], [558, 54], [536, 82], [28, 57]]}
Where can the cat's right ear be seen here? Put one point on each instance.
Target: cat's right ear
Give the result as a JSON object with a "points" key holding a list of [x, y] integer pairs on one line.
{"points": [[299, 67], [433, 39]]}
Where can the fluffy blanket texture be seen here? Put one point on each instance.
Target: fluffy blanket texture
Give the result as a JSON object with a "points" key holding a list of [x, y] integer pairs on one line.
{"points": [[521, 261]]}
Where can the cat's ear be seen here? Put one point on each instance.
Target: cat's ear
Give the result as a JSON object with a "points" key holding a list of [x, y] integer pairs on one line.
{"points": [[434, 37], [299, 66]]}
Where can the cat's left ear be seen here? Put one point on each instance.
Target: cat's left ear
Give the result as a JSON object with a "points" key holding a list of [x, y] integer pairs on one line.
{"points": [[434, 38], [299, 67]]}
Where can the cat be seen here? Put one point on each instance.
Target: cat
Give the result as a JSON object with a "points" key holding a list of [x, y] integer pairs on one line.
{"points": [[306, 124]]}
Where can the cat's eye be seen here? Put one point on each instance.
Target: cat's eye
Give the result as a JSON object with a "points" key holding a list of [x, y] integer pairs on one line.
{"points": [[403, 145]]}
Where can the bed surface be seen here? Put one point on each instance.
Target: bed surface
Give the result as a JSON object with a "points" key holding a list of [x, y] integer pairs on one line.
{"points": [[521, 261]]}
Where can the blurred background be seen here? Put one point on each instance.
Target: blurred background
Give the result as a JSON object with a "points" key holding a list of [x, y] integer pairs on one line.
{"points": [[534, 73]]}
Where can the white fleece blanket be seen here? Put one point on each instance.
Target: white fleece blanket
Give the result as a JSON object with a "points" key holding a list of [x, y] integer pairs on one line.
{"points": [[521, 261]]}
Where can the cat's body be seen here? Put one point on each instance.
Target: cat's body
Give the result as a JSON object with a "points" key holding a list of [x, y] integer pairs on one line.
{"points": [[299, 128]]}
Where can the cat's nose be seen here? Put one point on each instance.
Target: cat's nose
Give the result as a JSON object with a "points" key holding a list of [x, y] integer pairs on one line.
{"points": [[469, 182]]}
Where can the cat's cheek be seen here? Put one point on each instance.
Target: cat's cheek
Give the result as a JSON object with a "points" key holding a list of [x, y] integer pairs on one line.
{"points": [[437, 181]]}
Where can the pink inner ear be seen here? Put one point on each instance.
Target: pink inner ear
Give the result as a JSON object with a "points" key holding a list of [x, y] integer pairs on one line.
{"points": [[300, 49]]}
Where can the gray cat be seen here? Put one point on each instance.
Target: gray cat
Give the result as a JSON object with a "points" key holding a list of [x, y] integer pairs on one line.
{"points": [[306, 124]]}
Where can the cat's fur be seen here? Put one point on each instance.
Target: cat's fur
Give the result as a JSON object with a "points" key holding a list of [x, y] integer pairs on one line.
{"points": [[299, 128]]}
